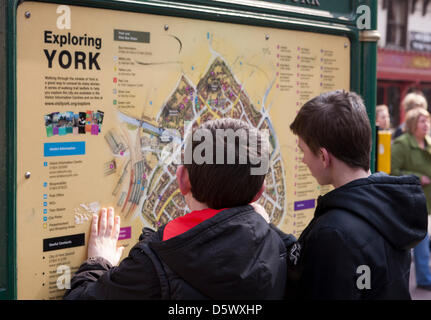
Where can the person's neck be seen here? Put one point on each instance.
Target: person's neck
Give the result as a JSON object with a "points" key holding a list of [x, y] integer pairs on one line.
{"points": [[193, 204], [343, 174]]}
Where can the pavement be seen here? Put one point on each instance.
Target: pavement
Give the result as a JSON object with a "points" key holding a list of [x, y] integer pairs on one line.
{"points": [[415, 292]]}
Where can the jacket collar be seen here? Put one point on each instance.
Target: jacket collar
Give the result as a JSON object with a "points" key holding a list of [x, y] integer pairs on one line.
{"points": [[414, 144]]}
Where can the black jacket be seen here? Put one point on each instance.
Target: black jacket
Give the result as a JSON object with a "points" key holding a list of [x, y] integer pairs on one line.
{"points": [[368, 223], [234, 255]]}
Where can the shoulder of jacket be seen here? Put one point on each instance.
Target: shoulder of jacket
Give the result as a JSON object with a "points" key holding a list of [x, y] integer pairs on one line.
{"points": [[338, 221], [331, 221], [346, 226], [142, 247], [402, 140]]}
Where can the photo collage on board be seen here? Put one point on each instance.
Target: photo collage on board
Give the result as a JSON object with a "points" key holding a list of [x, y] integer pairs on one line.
{"points": [[63, 123]]}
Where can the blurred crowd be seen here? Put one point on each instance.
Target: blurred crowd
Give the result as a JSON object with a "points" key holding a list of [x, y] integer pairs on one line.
{"points": [[411, 154]]}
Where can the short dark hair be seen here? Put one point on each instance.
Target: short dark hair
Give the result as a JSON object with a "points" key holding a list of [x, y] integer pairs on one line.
{"points": [[338, 122], [227, 185]]}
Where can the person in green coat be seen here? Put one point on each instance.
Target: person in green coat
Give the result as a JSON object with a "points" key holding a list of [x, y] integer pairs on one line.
{"points": [[411, 154]]}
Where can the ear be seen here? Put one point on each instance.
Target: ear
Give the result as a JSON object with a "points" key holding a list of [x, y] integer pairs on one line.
{"points": [[257, 196], [325, 157], [183, 180]]}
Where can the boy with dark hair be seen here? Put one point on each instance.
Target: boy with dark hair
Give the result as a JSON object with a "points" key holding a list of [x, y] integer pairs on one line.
{"points": [[231, 184], [358, 244], [222, 249]]}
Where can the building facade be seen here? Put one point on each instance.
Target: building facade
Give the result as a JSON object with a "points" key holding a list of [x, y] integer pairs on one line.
{"points": [[404, 53]]}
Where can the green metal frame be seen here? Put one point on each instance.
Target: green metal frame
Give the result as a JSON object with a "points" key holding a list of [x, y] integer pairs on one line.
{"points": [[10, 111], [368, 73], [3, 146], [293, 17]]}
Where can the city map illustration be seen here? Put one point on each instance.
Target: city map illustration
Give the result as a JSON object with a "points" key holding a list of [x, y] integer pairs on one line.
{"points": [[147, 184]]}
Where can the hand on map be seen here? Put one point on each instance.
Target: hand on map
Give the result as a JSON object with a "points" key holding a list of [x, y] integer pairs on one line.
{"points": [[104, 236], [260, 210]]}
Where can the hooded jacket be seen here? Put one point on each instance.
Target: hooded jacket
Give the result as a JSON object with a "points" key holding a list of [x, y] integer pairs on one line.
{"points": [[357, 245], [235, 254]]}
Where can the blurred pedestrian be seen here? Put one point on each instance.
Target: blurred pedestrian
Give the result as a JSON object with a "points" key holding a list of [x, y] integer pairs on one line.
{"points": [[411, 101], [383, 120], [411, 154]]}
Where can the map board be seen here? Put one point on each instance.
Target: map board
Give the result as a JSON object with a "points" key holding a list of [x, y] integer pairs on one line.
{"points": [[103, 94]]}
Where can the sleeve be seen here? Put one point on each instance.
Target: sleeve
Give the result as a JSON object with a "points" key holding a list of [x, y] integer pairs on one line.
{"points": [[293, 250], [399, 162], [134, 278], [288, 239], [329, 271]]}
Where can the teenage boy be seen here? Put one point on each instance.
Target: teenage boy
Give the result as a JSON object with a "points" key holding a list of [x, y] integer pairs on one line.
{"points": [[357, 246], [222, 249]]}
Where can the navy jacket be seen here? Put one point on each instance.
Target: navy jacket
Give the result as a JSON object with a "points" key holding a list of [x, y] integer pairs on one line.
{"points": [[358, 244]]}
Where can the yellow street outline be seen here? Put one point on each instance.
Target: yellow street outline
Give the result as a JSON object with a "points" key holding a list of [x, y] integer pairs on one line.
{"points": [[166, 203]]}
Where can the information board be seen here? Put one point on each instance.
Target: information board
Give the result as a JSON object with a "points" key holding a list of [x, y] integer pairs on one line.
{"points": [[102, 95]]}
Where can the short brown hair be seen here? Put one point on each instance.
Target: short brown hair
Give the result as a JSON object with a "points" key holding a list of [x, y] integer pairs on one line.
{"points": [[412, 118], [338, 122], [227, 185]]}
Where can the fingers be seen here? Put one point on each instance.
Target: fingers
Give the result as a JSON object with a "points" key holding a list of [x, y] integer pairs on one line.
{"points": [[102, 222], [95, 225], [105, 230], [117, 223], [110, 222]]}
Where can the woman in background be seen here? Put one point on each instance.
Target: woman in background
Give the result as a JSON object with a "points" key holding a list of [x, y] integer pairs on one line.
{"points": [[383, 120], [411, 101], [411, 154]]}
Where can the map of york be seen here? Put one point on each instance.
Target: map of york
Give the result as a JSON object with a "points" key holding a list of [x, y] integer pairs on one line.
{"points": [[147, 184]]}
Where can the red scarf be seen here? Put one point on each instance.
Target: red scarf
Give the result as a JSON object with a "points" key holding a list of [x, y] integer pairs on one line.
{"points": [[188, 221]]}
